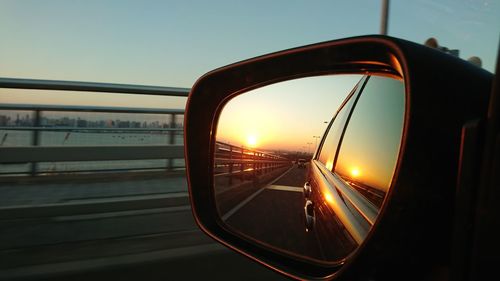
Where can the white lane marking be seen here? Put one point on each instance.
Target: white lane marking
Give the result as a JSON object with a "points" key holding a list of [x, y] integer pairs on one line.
{"points": [[242, 203], [227, 215], [285, 188], [122, 213]]}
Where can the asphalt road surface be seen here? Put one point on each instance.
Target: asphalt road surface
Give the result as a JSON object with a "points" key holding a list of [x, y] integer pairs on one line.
{"points": [[129, 229], [274, 215]]}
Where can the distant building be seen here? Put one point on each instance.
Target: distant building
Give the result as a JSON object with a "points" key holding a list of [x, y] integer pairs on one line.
{"points": [[124, 124], [81, 123], [4, 120]]}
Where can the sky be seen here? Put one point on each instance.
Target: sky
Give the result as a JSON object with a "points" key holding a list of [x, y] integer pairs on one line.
{"points": [[285, 115], [172, 43]]}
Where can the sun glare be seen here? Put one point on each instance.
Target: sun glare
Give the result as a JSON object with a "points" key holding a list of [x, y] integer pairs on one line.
{"points": [[355, 172], [252, 141], [329, 165], [328, 197]]}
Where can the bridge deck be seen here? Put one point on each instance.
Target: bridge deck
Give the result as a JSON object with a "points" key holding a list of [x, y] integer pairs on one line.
{"points": [[79, 189], [89, 223]]}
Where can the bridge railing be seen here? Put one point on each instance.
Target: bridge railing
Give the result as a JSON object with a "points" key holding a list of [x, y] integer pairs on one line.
{"points": [[38, 150], [231, 160]]}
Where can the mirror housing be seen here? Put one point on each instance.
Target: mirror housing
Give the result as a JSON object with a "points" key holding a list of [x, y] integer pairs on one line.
{"points": [[415, 225]]}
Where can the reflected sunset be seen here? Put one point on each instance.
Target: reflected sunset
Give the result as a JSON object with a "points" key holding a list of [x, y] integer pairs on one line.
{"points": [[355, 173], [328, 198], [252, 141], [264, 164], [329, 165], [284, 116], [372, 163]]}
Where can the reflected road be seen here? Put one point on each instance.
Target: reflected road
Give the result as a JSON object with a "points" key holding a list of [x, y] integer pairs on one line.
{"points": [[274, 215]]}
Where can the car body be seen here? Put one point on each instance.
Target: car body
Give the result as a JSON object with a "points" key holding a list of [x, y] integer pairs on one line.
{"points": [[346, 193], [401, 220]]}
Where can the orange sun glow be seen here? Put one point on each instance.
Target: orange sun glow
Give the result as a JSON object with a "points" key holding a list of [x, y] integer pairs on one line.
{"points": [[252, 141], [355, 172]]}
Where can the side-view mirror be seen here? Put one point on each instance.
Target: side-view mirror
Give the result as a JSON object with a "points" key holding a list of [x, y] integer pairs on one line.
{"points": [[334, 160]]}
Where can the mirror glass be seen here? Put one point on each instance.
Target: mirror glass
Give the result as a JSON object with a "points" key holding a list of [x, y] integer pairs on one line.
{"points": [[303, 166]]}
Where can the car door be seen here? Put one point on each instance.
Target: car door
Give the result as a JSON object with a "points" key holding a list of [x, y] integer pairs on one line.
{"points": [[353, 171], [316, 209]]}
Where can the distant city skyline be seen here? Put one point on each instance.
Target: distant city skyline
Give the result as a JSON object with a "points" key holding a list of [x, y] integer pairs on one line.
{"points": [[27, 120]]}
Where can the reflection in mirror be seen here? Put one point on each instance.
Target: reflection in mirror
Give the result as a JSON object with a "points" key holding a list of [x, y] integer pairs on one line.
{"points": [[303, 165]]}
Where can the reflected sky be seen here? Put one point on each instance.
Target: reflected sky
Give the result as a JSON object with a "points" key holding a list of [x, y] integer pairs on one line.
{"points": [[370, 147], [284, 115], [329, 148]]}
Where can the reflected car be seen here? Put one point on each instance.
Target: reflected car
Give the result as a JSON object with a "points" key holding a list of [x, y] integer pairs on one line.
{"points": [[349, 177], [301, 163]]}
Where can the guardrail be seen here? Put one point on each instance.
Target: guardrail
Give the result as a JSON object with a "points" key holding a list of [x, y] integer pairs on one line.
{"points": [[59, 153], [36, 84], [231, 160]]}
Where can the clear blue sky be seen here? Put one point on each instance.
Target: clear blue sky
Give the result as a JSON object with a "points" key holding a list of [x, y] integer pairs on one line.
{"points": [[172, 43]]}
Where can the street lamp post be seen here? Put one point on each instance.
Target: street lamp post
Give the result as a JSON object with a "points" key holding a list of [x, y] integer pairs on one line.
{"points": [[316, 142], [384, 21]]}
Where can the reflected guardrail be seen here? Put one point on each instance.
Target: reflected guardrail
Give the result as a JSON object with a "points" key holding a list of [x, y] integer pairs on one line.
{"points": [[231, 160], [35, 152]]}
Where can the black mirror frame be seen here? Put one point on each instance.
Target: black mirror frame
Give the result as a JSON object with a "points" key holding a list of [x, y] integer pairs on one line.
{"points": [[414, 226]]}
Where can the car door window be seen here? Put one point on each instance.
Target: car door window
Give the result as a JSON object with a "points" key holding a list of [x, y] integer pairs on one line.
{"points": [[370, 147], [330, 143]]}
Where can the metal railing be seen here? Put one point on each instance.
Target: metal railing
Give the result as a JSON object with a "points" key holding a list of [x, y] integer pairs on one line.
{"points": [[231, 160], [59, 153], [36, 84]]}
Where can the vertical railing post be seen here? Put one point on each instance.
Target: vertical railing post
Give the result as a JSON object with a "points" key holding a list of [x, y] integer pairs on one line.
{"points": [[172, 139], [254, 166], [230, 165], [259, 165], [35, 141], [242, 164]]}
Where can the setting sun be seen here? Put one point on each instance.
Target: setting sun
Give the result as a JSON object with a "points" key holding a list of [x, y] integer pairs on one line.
{"points": [[329, 165], [252, 141], [355, 172]]}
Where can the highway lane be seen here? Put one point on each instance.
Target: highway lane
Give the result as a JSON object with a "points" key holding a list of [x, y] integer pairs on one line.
{"points": [[156, 244], [78, 188], [65, 219], [132, 234], [274, 215], [65, 238], [231, 193]]}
